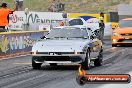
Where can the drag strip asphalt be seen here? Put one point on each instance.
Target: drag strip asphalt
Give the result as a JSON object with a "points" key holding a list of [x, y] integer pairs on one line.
{"points": [[18, 73]]}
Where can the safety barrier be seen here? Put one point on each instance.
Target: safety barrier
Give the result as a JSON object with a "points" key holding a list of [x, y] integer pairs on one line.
{"points": [[18, 43]]}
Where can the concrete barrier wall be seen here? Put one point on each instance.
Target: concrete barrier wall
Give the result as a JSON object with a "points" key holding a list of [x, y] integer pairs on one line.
{"points": [[14, 43]]}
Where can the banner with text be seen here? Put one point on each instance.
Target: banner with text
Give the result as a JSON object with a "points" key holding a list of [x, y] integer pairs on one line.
{"points": [[13, 43]]}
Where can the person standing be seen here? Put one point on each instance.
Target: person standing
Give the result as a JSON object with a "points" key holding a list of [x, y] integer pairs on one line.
{"points": [[4, 13], [101, 16], [19, 5], [53, 6], [101, 26], [16, 2]]}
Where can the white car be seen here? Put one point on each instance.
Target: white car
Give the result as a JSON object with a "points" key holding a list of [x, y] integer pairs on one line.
{"points": [[68, 45]]}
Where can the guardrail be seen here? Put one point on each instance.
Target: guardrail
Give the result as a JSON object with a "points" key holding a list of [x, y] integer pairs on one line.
{"points": [[18, 43]]}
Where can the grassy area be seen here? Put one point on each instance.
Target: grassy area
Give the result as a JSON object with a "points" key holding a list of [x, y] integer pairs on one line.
{"points": [[80, 6]]}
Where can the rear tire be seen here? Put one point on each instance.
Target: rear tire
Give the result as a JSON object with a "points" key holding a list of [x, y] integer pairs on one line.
{"points": [[99, 60], [34, 64], [53, 64], [86, 64]]}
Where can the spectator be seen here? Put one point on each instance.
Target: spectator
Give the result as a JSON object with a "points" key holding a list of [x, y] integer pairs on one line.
{"points": [[19, 5], [101, 16], [60, 6], [16, 2], [101, 26], [61, 23], [56, 6], [53, 6], [4, 13]]}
